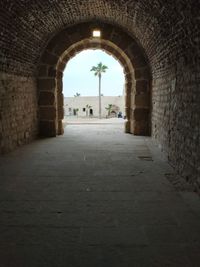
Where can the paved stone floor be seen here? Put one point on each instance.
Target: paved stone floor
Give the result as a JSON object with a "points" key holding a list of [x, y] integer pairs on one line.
{"points": [[94, 197]]}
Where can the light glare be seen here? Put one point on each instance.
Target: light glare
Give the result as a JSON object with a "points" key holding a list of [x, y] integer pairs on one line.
{"points": [[96, 33]]}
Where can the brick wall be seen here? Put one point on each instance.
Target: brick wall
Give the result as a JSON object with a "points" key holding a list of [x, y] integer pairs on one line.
{"points": [[176, 93], [176, 119], [18, 111]]}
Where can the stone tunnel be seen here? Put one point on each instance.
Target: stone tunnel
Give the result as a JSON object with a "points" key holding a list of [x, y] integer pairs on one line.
{"points": [[160, 44], [157, 42]]}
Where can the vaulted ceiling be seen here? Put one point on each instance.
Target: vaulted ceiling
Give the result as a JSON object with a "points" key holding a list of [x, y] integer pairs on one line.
{"points": [[165, 29]]}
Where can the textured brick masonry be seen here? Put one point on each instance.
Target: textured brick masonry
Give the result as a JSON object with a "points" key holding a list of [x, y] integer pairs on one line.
{"points": [[168, 33]]}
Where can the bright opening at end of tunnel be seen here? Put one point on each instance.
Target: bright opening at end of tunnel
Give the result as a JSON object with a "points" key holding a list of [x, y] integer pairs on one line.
{"points": [[85, 96], [79, 79]]}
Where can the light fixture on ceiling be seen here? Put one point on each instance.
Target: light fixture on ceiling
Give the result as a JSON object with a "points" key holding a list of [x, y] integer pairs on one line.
{"points": [[96, 33]]}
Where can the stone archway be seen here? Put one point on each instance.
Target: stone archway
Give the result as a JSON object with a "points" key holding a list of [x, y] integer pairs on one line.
{"points": [[109, 47], [115, 41]]}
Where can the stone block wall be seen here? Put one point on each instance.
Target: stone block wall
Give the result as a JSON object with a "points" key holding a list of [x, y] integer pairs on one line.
{"points": [[176, 118], [184, 132], [18, 111]]}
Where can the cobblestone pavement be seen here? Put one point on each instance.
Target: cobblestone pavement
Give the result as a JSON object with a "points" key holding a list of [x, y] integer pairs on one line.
{"points": [[94, 197]]}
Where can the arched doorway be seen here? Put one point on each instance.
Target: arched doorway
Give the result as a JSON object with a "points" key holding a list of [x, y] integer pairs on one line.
{"points": [[113, 40], [81, 86]]}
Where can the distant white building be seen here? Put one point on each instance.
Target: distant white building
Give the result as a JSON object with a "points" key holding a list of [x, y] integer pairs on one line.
{"points": [[88, 106]]}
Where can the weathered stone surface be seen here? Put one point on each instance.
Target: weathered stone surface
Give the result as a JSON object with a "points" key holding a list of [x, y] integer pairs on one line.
{"points": [[142, 73], [60, 99], [142, 86], [48, 128], [139, 128], [18, 111], [46, 98], [46, 84], [43, 71], [60, 129], [47, 113], [142, 100], [49, 58], [140, 114]]}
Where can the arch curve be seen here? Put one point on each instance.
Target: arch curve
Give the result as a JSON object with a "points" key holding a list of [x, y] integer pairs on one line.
{"points": [[114, 41]]}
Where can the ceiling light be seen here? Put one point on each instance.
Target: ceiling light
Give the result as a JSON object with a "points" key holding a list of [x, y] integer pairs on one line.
{"points": [[96, 33]]}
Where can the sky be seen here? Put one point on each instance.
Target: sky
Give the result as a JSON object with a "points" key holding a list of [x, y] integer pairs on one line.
{"points": [[79, 79]]}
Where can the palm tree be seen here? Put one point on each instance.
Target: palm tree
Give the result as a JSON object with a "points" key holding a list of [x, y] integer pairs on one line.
{"points": [[109, 108], [98, 70], [77, 94]]}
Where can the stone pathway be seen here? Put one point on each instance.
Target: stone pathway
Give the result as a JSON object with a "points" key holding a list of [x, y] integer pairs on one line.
{"points": [[95, 197], [77, 120]]}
